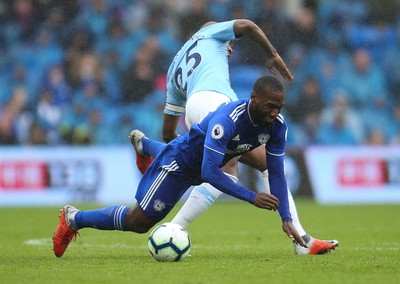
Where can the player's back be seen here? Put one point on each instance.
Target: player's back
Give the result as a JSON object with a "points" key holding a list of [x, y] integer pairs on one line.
{"points": [[202, 64]]}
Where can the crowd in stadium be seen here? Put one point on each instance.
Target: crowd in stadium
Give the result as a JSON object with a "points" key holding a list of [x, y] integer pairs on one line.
{"points": [[80, 72]]}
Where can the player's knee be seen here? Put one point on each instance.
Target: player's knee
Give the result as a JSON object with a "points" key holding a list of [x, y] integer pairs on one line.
{"points": [[231, 167]]}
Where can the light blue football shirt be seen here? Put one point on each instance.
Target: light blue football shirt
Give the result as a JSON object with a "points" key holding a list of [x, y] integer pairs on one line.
{"points": [[200, 65]]}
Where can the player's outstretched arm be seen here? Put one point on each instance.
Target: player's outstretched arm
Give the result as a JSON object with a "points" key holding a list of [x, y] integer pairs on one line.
{"points": [[274, 61]]}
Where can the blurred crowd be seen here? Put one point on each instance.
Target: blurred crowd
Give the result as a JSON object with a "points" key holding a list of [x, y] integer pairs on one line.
{"points": [[82, 72]]}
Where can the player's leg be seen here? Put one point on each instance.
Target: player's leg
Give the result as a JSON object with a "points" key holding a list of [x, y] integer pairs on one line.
{"points": [[72, 219], [158, 192], [202, 197], [145, 149], [256, 159]]}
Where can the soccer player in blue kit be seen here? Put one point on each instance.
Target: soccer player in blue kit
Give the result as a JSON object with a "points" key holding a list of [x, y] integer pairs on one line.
{"points": [[197, 83], [196, 157]]}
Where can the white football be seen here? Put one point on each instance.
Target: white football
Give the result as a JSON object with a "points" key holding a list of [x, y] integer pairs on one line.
{"points": [[169, 242]]}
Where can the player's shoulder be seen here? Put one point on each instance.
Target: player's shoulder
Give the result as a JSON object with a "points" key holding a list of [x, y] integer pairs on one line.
{"points": [[280, 119], [235, 109]]}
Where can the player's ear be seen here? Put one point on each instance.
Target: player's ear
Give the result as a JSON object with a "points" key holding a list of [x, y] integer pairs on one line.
{"points": [[253, 96]]}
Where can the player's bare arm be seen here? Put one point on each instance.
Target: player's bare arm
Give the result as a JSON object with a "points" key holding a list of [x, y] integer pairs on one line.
{"points": [[274, 61], [170, 123]]}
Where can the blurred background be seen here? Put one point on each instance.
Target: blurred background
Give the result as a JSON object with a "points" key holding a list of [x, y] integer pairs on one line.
{"points": [[77, 76]]}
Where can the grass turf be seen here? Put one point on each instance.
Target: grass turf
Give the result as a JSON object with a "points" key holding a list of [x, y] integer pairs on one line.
{"points": [[233, 242]]}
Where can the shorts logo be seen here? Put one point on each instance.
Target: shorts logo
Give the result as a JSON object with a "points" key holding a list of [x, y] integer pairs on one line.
{"points": [[263, 138], [217, 131], [158, 205]]}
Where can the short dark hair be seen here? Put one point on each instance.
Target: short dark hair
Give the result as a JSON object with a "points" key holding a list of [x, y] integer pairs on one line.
{"points": [[268, 82]]}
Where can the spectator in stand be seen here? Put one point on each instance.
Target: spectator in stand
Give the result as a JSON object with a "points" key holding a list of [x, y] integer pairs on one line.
{"points": [[327, 64], [56, 83], [391, 67], [376, 137], [48, 117], [309, 103], [305, 112], [364, 80], [379, 112], [37, 135], [156, 25], [336, 16], [86, 67], [138, 80], [11, 128], [95, 14], [90, 95], [7, 118], [119, 41], [23, 19], [99, 131], [79, 43], [303, 29], [72, 127], [188, 22], [395, 131], [341, 119], [336, 132]]}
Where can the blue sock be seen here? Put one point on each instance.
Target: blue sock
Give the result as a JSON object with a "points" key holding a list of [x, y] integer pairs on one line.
{"points": [[152, 147], [109, 218]]}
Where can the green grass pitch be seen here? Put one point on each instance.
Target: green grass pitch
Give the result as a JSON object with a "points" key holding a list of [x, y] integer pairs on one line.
{"points": [[233, 242]]}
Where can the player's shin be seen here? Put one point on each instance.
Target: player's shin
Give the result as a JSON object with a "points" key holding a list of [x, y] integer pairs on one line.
{"points": [[292, 205], [199, 200], [109, 218], [295, 216]]}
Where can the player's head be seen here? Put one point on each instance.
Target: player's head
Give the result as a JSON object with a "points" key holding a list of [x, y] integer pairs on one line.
{"points": [[266, 100]]}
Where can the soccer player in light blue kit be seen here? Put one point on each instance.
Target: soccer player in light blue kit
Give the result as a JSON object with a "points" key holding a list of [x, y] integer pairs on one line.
{"points": [[198, 82], [196, 157]]}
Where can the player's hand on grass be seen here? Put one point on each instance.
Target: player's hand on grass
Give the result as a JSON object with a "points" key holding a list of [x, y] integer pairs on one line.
{"points": [[276, 62], [292, 233], [266, 201]]}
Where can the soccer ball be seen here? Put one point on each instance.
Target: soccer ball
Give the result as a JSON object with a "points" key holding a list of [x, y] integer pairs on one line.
{"points": [[169, 242]]}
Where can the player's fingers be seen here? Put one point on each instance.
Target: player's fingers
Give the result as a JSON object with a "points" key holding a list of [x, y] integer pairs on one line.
{"points": [[286, 74], [274, 199], [273, 204], [298, 238], [268, 205], [272, 70]]}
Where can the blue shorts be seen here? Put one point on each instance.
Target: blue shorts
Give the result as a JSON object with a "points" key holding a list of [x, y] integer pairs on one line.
{"points": [[162, 186]]}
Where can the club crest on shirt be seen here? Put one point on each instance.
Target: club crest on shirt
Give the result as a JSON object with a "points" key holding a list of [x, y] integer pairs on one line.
{"points": [[263, 138], [217, 131], [158, 205]]}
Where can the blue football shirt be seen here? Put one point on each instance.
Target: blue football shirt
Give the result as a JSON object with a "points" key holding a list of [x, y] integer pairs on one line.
{"points": [[230, 132]]}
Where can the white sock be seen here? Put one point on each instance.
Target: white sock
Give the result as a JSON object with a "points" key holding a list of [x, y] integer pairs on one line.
{"points": [[266, 181], [295, 217], [292, 205], [199, 200]]}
